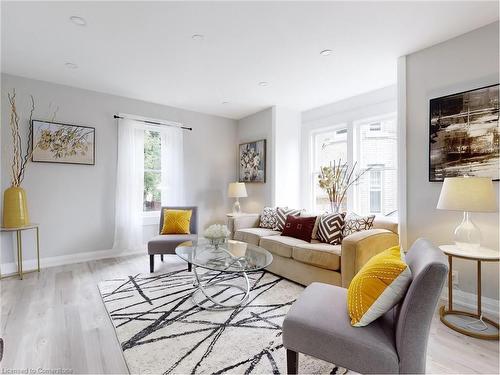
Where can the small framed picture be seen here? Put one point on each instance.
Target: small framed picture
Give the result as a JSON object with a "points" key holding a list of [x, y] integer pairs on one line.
{"points": [[62, 143], [252, 159]]}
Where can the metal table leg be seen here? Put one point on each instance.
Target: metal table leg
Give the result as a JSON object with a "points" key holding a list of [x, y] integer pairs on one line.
{"points": [[38, 247], [19, 254], [203, 289]]}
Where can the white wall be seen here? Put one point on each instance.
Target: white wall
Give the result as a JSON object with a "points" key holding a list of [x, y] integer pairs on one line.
{"points": [[252, 128], [74, 204], [286, 125], [463, 63], [370, 104]]}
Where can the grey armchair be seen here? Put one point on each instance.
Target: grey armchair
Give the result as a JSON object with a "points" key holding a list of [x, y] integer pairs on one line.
{"points": [[318, 322], [166, 243]]}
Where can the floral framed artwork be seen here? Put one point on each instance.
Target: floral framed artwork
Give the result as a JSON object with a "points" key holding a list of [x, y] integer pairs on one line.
{"points": [[252, 161], [62, 143]]}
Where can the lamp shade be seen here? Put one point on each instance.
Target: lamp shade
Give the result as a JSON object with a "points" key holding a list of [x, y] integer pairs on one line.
{"points": [[237, 190], [472, 194]]}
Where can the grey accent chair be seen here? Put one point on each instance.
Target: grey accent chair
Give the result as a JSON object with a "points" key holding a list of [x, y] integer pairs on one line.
{"points": [[166, 243], [318, 323]]}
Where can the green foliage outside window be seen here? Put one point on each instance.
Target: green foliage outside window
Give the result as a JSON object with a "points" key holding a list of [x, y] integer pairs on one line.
{"points": [[152, 170]]}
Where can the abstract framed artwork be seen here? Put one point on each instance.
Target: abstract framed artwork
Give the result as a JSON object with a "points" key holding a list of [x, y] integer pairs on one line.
{"points": [[252, 161], [464, 135], [62, 143]]}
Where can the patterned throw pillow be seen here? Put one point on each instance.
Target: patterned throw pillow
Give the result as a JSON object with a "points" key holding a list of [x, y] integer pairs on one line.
{"points": [[330, 228], [268, 218], [355, 223], [379, 285], [281, 214]]}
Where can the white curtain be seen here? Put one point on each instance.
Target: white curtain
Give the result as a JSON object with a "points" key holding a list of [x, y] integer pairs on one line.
{"points": [[172, 167], [129, 186]]}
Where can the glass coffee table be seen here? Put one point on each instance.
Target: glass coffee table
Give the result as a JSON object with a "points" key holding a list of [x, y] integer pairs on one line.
{"points": [[210, 286]]}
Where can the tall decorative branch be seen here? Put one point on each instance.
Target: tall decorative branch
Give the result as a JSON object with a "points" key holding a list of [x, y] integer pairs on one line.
{"points": [[19, 158], [336, 179]]}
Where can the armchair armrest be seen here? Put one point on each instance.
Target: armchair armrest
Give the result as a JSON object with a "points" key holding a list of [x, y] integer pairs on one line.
{"points": [[237, 222], [359, 247]]}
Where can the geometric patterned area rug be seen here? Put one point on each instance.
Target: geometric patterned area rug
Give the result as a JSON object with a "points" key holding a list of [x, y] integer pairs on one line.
{"points": [[161, 330]]}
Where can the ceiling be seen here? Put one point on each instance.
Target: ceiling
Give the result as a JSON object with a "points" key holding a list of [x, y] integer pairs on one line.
{"points": [[146, 50]]}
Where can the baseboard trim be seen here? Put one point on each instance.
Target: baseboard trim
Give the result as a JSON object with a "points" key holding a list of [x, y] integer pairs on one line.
{"points": [[468, 301], [61, 260]]}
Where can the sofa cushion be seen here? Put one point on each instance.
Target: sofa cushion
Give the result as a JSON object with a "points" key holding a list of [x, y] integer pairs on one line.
{"points": [[280, 245], [281, 215], [321, 255], [268, 218], [166, 243], [354, 223], [253, 235], [330, 228]]}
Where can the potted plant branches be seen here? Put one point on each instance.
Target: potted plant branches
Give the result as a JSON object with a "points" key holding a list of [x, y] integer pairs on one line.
{"points": [[15, 207], [336, 179]]}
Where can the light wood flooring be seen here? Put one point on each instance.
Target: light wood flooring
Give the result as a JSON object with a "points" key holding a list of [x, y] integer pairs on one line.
{"points": [[56, 320]]}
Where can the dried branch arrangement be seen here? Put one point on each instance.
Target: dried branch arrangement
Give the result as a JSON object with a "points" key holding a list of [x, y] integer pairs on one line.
{"points": [[19, 158], [336, 179]]}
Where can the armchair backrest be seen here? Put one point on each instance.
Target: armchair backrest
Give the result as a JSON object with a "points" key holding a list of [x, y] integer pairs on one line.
{"points": [[193, 225], [414, 314]]}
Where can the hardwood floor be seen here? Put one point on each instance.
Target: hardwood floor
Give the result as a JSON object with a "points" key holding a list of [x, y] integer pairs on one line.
{"points": [[56, 320]]}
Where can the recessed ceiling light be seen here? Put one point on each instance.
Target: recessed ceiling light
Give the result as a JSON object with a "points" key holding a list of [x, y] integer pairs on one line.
{"points": [[70, 65], [80, 21], [197, 37], [264, 84], [326, 52]]}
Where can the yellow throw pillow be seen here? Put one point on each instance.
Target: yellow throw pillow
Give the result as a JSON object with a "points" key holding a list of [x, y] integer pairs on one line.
{"points": [[176, 222], [379, 285]]}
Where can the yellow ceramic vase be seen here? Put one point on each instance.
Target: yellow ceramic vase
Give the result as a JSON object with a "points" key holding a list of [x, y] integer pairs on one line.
{"points": [[15, 208]]}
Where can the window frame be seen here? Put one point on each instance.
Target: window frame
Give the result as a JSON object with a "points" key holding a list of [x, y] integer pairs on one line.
{"points": [[313, 175], [375, 134], [353, 142]]}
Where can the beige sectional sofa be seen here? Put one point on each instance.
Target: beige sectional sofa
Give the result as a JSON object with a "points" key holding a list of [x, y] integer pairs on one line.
{"points": [[305, 262]]}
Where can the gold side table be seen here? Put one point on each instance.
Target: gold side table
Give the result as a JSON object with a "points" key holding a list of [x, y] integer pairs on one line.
{"points": [[19, 243], [467, 323]]}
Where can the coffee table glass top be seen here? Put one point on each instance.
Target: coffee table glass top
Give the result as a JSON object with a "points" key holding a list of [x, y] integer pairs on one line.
{"points": [[203, 254]]}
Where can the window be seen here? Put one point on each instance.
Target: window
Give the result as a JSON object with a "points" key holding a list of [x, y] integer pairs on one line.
{"points": [[372, 144], [329, 146], [152, 171], [377, 152], [375, 190]]}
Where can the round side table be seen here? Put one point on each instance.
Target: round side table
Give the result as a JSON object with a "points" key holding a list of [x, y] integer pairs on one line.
{"points": [[467, 323]]}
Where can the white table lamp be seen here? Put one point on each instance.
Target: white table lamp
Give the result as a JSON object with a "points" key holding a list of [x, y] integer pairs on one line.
{"points": [[467, 194], [237, 190]]}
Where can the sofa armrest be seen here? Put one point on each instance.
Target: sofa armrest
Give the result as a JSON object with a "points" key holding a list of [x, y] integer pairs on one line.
{"points": [[359, 247], [242, 221]]}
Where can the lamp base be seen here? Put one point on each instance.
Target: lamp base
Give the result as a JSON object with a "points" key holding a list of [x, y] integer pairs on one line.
{"points": [[236, 207], [467, 234]]}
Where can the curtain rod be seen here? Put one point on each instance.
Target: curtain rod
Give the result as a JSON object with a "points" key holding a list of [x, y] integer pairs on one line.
{"points": [[153, 122]]}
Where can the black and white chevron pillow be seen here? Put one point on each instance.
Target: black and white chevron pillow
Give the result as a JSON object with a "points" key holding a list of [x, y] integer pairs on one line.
{"points": [[330, 228], [281, 214], [268, 218]]}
